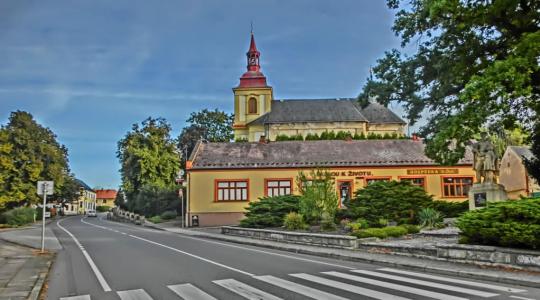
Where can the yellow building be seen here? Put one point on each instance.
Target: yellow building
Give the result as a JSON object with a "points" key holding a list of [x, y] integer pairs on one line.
{"points": [[514, 176], [105, 197], [224, 177], [87, 198], [257, 114]]}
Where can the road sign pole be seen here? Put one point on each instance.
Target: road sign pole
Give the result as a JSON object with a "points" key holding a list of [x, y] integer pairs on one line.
{"points": [[43, 217]]}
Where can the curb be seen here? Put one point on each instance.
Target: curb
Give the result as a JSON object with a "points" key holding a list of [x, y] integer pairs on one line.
{"points": [[421, 267], [38, 286]]}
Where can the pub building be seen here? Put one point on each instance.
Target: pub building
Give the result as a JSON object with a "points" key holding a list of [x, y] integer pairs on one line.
{"points": [[222, 178]]}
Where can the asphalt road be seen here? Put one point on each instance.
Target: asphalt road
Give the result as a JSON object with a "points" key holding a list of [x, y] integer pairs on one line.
{"points": [[109, 260]]}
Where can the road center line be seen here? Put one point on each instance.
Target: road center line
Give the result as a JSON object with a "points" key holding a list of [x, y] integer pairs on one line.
{"points": [[93, 266], [178, 250]]}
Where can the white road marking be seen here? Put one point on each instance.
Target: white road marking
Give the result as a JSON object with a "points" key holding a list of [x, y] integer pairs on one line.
{"points": [[394, 286], [238, 247], [298, 288], [245, 290], [139, 294], [190, 292], [192, 255], [84, 297], [428, 283], [522, 298], [98, 274], [348, 287], [464, 282]]}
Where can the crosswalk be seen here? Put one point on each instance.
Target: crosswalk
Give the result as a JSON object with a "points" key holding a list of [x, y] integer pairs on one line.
{"points": [[384, 283]]}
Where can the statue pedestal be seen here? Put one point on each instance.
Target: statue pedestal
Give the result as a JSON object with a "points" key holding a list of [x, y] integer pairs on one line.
{"points": [[482, 193]]}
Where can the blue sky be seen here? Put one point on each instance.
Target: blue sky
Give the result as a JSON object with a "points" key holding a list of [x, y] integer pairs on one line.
{"points": [[90, 69]]}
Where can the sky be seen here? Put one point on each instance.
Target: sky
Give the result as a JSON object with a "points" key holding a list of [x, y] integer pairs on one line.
{"points": [[88, 70]]}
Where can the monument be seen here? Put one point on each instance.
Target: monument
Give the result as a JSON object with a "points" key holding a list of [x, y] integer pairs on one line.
{"points": [[485, 189]]}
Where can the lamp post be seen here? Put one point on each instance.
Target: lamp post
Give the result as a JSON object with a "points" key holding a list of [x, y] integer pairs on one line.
{"points": [[180, 180]]}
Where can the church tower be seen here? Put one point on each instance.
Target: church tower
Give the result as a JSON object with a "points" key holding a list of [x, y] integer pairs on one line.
{"points": [[252, 98]]}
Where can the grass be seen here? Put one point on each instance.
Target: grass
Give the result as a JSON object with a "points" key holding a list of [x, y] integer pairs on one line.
{"points": [[155, 219]]}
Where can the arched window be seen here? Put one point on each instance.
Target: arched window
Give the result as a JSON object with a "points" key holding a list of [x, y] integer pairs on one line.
{"points": [[252, 106]]}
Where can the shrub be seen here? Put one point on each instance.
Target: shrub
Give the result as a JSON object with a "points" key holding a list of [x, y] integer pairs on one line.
{"points": [[451, 209], [411, 229], [360, 136], [282, 137], [514, 223], [269, 211], [391, 200], [294, 221], [359, 224], [382, 222], [344, 223], [327, 222], [103, 208], [297, 137], [395, 231], [168, 215], [430, 218], [19, 216], [155, 219], [312, 137], [318, 195], [370, 232]]}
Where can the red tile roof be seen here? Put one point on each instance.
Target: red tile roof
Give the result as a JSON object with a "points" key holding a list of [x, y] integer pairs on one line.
{"points": [[105, 194]]}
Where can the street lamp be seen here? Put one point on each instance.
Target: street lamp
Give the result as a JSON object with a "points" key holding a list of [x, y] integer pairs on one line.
{"points": [[180, 181]]}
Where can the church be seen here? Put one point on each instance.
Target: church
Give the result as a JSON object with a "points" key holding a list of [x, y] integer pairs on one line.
{"points": [[258, 114], [223, 178]]}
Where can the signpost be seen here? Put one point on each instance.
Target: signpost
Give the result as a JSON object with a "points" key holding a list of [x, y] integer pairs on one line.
{"points": [[44, 188], [180, 180]]}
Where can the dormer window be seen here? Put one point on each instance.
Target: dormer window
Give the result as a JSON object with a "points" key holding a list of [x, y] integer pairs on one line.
{"points": [[252, 106]]}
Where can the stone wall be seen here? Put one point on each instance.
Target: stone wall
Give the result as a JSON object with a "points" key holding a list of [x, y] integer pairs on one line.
{"points": [[315, 239]]}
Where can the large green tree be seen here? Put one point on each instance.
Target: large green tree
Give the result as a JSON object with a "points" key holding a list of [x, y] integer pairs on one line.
{"points": [[29, 152], [474, 63], [210, 125], [149, 159]]}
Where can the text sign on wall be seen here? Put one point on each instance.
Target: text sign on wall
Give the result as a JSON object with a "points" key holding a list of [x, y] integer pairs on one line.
{"points": [[350, 173], [432, 171]]}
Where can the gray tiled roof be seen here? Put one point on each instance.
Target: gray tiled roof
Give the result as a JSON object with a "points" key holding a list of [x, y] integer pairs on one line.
{"points": [[83, 185], [522, 151], [313, 154], [326, 110]]}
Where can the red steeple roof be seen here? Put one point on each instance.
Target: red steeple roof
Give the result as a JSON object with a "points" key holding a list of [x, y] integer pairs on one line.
{"points": [[253, 77]]}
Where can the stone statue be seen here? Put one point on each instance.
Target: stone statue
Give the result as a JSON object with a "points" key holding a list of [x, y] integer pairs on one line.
{"points": [[485, 160]]}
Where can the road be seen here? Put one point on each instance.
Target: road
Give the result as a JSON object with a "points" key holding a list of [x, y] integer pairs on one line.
{"points": [[108, 260]]}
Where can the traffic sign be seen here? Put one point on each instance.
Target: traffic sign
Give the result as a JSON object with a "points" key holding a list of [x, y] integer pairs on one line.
{"points": [[47, 186]]}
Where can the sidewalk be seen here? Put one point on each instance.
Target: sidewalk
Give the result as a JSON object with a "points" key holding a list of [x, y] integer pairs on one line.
{"points": [[434, 266], [31, 236], [22, 271]]}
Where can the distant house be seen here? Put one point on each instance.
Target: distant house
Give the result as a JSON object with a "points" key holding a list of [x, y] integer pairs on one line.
{"points": [[514, 175], [87, 197], [105, 197]]}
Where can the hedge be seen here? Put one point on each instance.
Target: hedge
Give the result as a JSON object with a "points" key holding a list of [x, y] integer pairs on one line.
{"points": [[514, 223], [18, 216], [269, 211]]}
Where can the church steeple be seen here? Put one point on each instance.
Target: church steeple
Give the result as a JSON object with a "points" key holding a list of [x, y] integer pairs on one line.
{"points": [[253, 77]]}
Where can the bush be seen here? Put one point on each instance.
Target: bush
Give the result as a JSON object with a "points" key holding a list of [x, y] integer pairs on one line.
{"points": [[381, 233], [390, 200], [395, 231], [269, 211], [282, 137], [155, 219], [19, 216], [312, 137], [169, 215], [451, 209], [411, 229], [430, 218], [327, 222], [294, 221], [103, 208], [359, 224], [370, 232], [318, 195], [514, 223]]}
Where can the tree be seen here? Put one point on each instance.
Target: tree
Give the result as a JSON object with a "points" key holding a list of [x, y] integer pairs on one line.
{"points": [[318, 196], [211, 125], [29, 152], [120, 201], [476, 63], [148, 158]]}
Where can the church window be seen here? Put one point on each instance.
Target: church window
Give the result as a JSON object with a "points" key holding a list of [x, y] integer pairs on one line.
{"points": [[252, 106]]}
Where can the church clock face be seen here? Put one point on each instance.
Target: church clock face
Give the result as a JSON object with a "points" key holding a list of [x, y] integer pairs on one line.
{"points": [[252, 60]]}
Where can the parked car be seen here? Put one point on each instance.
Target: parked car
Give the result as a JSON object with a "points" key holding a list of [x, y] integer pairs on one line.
{"points": [[91, 213]]}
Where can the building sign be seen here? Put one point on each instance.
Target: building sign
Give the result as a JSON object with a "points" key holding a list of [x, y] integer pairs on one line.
{"points": [[432, 171], [350, 173]]}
